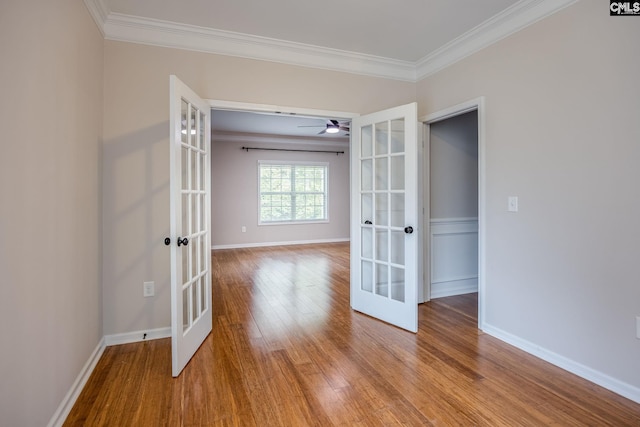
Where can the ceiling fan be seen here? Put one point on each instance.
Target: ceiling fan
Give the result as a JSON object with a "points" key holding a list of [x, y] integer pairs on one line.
{"points": [[332, 126]]}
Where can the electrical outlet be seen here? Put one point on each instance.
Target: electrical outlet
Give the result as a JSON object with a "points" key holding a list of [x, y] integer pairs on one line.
{"points": [[148, 289], [244, 229]]}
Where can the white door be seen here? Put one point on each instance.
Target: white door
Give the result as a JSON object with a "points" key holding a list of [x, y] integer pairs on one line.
{"points": [[384, 221], [190, 126]]}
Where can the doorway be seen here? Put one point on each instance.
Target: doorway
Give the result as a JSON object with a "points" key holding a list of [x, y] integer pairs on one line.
{"points": [[454, 185]]}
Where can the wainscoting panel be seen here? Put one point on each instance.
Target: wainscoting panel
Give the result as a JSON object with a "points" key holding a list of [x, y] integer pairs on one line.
{"points": [[454, 256]]}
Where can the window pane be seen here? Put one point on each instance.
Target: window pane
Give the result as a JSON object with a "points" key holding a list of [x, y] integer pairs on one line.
{"points": [[293, 192]]}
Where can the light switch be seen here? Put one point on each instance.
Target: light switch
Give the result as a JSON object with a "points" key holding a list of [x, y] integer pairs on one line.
{"points": [[512, 204]]}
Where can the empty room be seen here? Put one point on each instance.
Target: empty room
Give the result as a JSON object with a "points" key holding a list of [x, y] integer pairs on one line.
{"points": [[240, 216]]}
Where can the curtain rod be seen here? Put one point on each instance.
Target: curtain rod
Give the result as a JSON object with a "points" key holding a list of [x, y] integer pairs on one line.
{"points": [[288, 149]]}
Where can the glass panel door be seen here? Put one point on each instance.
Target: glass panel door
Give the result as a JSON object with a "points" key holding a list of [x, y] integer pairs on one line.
{"points": [[384, 200]]}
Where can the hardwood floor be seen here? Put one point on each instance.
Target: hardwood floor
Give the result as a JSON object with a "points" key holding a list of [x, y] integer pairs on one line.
{"points": [[286, 350]]}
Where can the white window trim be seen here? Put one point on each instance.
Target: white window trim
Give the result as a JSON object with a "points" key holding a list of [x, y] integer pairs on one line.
{"points": [[295, 163]]}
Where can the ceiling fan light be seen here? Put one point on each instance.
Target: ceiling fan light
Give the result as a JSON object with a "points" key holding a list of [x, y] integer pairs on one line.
{"points": [[333, 129]]}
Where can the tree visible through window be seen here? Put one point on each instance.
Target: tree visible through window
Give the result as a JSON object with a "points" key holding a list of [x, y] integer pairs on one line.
{"points": [[292, 192]]}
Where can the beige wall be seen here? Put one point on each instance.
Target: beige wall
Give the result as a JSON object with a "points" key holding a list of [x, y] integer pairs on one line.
{"points": [[234, 194], [51, 120], [136, 156], [562, 133]]}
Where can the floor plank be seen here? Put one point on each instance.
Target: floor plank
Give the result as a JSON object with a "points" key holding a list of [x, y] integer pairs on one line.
{"points": [[286, 350]]}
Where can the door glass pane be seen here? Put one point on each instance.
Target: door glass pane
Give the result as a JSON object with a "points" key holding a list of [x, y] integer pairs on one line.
{"points": [[397, 173], [397, 210], [397, 136], [193, 248], [184, 111], [201, 169], [203, 255], [397, 247], [367, 276], [367, 242], [193, 126], [382, 280], [397, 284], [382, 174], [366, 142], [203, 293], [185, 308], [184, 160], [382, 138], [382, 245], [194, 302], [382, 209], [366, 210], [186, 213], [194, 172], [201, 131], [184, 254], [366, 179]]}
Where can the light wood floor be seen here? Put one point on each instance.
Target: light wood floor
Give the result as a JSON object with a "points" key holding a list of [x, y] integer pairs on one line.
{"points": [[286, 350]]}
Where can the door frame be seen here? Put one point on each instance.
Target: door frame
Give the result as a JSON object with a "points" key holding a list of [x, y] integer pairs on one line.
{"points": [[477, 104]]}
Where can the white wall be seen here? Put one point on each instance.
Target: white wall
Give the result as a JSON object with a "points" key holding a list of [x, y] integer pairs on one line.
{"points": [[51, 120], [562, 132], [234, 194]]}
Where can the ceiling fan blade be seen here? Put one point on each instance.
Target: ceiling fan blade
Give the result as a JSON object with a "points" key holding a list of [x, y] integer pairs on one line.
{"points": [[334, 122], [322, 131]]}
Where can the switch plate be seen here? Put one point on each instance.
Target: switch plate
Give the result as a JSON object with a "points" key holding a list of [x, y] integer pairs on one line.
{"points": [[638, 327], [244, 229], [512, 204], [148, 289]]}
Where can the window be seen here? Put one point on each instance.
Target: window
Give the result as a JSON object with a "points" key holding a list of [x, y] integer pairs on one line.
{"points": [[293, 192]]}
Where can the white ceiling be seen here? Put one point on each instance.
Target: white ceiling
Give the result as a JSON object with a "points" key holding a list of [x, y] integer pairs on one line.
{"points": [[293, 127], [406, 30], [402, 39]]}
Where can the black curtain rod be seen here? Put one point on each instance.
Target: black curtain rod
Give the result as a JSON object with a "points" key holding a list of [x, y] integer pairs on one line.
{"points": [[288, 149]]}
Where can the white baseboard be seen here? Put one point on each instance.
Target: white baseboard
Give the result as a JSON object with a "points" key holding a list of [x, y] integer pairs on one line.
{"points": [[69, 400], [264, 244], [137, 336], [623, 389], [454, 287]]}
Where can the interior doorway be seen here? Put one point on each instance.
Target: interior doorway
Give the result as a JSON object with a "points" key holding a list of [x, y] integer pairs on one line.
{"points": [[454, 188]]}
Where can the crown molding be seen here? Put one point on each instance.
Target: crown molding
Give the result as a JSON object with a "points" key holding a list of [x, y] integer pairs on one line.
{"points": [[99, 11], [154, 32], [500, 26], [127, 28]]}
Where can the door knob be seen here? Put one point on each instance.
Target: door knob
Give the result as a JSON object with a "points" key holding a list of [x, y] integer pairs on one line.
{"points": [[184, 241], [167, 241], [408, 229]]}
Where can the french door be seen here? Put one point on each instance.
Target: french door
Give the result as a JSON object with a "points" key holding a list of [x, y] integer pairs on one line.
{"points": [[384, 222], [190, 240]]}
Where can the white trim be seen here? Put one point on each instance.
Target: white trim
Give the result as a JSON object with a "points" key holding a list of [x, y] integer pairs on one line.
{"points": [[69, 400], [463, 220], [454, 287], [99, 11], [477, 104], [137, 336], [154, 32], [509, 21], [624, 389], [289, 243]]}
